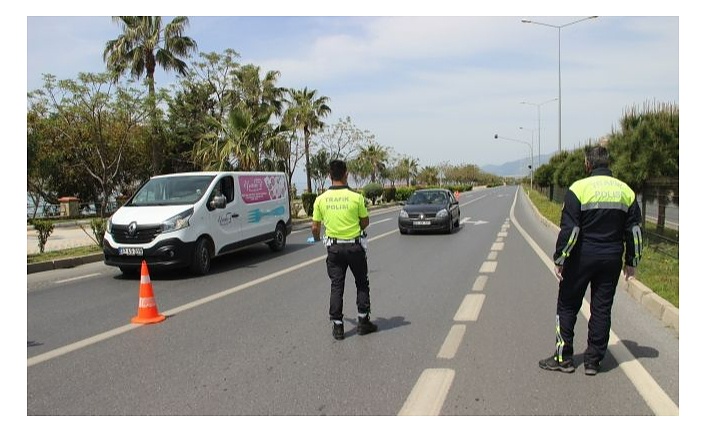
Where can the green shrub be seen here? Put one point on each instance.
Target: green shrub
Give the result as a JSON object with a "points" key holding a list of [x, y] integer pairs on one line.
{"points": [[372, 191], [389, 194], [44, 229], [308, 202], [403, 193]]}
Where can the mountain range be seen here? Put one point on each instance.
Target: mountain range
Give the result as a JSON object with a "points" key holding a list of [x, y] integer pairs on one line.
{"points": [[517, 168]]}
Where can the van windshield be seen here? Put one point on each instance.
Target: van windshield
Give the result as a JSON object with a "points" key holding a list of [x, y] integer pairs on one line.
{"points": [[184, 190]]}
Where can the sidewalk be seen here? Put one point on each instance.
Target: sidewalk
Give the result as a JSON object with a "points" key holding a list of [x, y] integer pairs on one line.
{"points": [[64, 235]]}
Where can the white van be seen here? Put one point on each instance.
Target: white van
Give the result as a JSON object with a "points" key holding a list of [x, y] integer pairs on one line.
{"points": [[186, 219]]}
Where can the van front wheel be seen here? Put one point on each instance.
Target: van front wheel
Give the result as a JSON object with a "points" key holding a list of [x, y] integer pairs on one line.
{"points": [[280, 238], [201, 260]]}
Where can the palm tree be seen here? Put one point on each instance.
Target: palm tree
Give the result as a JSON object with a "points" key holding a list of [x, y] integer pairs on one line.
{"points": [[408, 168], [259, 95], [376, 156], [247, 140], [143, 45], [429, 175], [306, 111]]}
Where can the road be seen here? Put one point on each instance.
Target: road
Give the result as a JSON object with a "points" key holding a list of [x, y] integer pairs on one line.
{"points": [[463, 320]]}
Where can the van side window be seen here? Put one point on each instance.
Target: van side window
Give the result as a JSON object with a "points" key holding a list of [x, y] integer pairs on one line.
{"points": [[228, 187], [224, 187]]}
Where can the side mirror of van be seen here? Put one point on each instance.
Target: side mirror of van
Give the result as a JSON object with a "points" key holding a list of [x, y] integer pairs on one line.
{"points": [[218, 201]]}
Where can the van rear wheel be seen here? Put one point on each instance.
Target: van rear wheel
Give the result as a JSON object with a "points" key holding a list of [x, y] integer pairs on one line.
{"points": [[280, 238], [201, 260]]}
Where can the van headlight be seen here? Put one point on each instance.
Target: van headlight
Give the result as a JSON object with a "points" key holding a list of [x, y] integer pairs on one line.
{"points": [[109, 225], [179, 221]]}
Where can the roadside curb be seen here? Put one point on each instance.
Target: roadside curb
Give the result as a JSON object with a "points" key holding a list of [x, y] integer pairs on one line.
{"points": [[655, 304], [63, 263]]}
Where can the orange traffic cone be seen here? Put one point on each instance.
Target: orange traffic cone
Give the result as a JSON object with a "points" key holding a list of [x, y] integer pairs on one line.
{"points": [[147, 308]]}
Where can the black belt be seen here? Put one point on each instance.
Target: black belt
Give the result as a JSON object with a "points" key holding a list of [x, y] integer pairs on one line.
{"points": [[345, 241]]}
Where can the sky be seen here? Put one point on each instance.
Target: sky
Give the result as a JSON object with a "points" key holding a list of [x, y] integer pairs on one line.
{"points": [[434, 81], [437, 89]]}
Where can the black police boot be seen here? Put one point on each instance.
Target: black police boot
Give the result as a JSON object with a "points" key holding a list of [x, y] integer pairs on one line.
{"points": [[365, 326], [338, 331]]}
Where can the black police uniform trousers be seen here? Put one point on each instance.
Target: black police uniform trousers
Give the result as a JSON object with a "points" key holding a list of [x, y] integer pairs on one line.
{"points": [[340, 257], [602, 273]]}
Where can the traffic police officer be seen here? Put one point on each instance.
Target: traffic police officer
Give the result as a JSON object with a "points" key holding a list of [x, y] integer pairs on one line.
{"points": [[345, 217], [600, 233]]}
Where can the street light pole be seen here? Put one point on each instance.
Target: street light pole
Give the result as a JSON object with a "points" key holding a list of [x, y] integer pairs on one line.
{"points": [[531, 147], [539, 126], [559, 27]]}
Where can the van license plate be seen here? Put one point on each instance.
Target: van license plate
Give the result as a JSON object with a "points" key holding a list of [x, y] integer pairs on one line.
{"points": [[130, 251]]}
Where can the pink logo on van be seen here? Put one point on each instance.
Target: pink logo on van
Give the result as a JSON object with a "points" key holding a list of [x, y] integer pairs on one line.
{"points": [[262, 188]]}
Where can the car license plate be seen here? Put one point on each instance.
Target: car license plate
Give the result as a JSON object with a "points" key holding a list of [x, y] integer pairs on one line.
{"points": [[422, 223], [130, 251]]}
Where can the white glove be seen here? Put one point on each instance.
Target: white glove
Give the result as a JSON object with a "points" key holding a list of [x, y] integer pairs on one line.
{"points": [[364, 240]]}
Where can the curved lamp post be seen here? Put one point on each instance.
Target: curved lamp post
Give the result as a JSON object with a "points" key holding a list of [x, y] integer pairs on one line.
{"points": [[539, 126], [531, 166], [559, 27]]}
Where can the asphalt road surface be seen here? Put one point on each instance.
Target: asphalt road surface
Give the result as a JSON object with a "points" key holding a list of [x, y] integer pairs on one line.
{"points": [[463, 320]]}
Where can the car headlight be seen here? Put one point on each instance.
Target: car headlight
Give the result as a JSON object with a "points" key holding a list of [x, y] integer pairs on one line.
{"points": [[403, 214], [179, 221], [443, 213]]}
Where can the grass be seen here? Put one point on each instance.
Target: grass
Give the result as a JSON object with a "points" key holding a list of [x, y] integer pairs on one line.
{"points": [[659, 267], [48, 256]]}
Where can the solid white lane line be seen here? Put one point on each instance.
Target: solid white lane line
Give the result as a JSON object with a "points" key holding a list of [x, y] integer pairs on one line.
{"points": [[80, 344], [77, 278], [429, 393], [651, 392], [453, 340], [122, 329], [654, 395], [470, 308]]}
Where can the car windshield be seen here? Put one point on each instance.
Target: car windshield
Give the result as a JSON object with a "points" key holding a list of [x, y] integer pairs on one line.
{"points": [[427, 198], [172, 191]]}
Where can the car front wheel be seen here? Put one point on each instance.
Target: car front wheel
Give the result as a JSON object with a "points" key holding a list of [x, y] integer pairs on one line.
{"points": [[201, 260]]}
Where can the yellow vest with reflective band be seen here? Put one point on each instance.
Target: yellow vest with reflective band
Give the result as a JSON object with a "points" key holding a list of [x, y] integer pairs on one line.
{"points": [[603, 192], [340, 210]]}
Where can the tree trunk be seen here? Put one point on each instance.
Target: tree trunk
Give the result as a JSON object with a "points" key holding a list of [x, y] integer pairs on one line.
{"points": [[306, 152], [154, 133], [661, 209]]}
